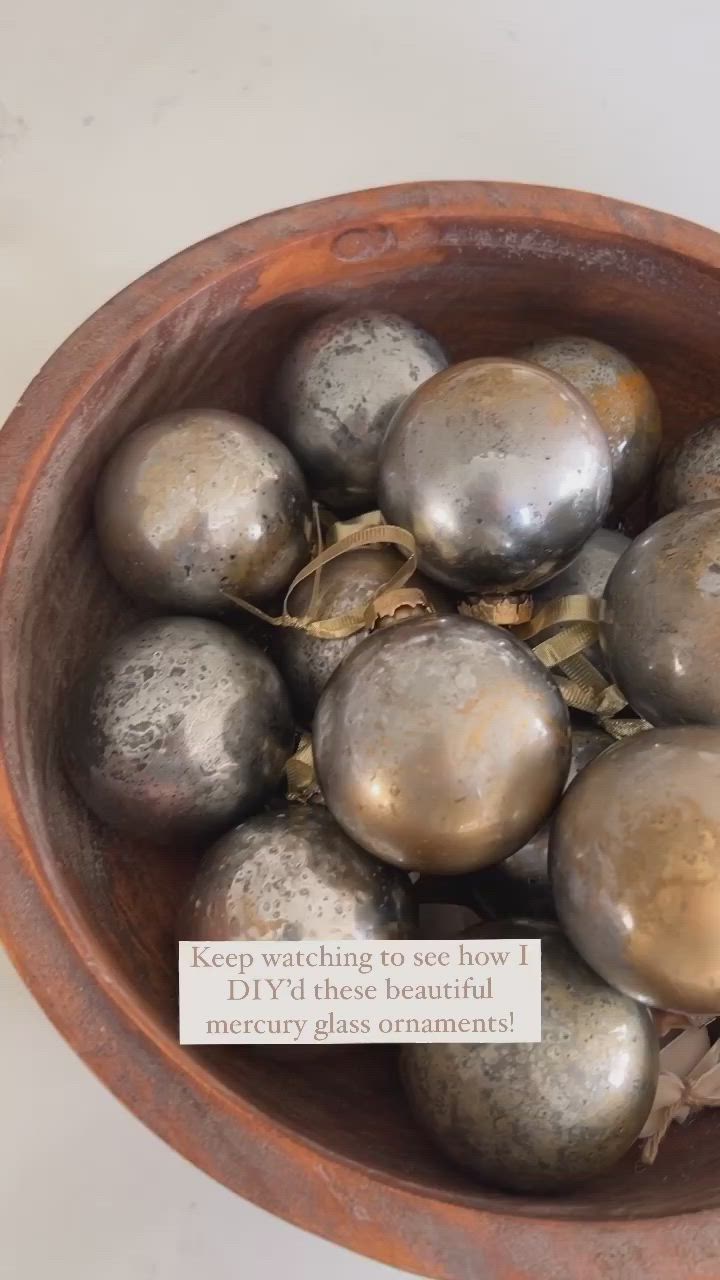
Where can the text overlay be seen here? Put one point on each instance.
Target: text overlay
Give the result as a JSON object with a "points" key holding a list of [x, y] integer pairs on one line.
{"points": [[468, 989]]}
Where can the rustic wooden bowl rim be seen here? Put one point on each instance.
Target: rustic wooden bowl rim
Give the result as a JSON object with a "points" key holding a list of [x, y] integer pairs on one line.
{"points": [[80, 987]]}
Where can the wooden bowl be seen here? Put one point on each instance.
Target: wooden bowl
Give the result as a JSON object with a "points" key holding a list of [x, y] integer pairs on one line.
{"points": [[88, 916]]}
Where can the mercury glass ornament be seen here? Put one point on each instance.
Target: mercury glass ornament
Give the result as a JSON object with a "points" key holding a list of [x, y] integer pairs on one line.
{"points": [[441, 745], [691, 471], [521, 883], [622, 398], [294, 875], [177, 730], [198, 501], [586, 575], [635, 867], [336, 392], [307, 661], [541, 1117], [501, 471], [660, 621]]}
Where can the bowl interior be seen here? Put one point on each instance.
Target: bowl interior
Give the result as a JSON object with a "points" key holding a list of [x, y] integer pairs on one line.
{"points": [[482, 285]]}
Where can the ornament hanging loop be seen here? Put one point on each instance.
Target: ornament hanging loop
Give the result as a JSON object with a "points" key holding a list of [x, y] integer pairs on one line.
{"points": [[581, 684], [365, 534]]}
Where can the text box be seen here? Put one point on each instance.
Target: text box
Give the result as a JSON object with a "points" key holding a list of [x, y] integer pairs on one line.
{"points": [[482, 990]]}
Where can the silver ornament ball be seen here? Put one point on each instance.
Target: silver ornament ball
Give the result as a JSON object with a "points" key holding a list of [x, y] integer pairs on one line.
{"points": [[540, 1117], [177, 730], [293, 875], [660, 619], [441, 745], [199, 501], [336, 392], [501, 471], [308, 661], [622, 398], [635, 867], [691, 471]]}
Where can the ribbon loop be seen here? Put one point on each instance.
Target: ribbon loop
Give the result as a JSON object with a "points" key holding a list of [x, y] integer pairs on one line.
{"points": [[575, 608], [362, 533]]}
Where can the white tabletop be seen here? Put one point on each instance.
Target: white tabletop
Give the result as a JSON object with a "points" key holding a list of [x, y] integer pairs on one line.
{"points": [[127, 131]]}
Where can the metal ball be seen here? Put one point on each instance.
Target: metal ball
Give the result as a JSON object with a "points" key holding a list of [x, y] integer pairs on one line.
{"points": [[336, 392], [441, 745], [500, 470], [540, 1117], [623, 400], [521, 883], [293, 875], [691, 471], [635, 867], [306, 661], [587, 575], [201, 500], [177, 730], [660, 619]]}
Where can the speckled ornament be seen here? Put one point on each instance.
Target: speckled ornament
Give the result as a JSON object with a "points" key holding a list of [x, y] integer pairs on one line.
{"points": [[307, 661], [336, 392], [660, 619], [198, 501], [441, 745], [635, 867], [501, 471], [691, 471], [622, 398], [541, 1117], [521, 883], [178, 729], [293, 875]]}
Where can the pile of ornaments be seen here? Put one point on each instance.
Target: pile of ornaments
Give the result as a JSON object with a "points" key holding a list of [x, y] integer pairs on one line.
{"points": [[443, 745]]}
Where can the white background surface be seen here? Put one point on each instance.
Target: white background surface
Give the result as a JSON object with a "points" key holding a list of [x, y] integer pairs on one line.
{"points": [[130, 130]]}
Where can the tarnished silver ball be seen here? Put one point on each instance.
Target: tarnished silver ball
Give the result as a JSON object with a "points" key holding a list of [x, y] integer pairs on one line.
{"points": [[622, 398], [177, 730], [520, 885], [336, 392], [660, 619], [500, 469], [540, 1117], [198, 501], [691, 471], [441, 745], [294, 875], [307, 661], [635, 867], [587, 575]]}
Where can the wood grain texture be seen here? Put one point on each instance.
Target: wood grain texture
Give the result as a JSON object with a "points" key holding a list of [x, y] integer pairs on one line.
{"points": [[89, 917]]}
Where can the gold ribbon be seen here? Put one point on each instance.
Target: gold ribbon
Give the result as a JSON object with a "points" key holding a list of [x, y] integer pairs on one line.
{"points": [[558, 612], [302, 783], [361, 533], [339, 529], [566, 644], [581, 684]]}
